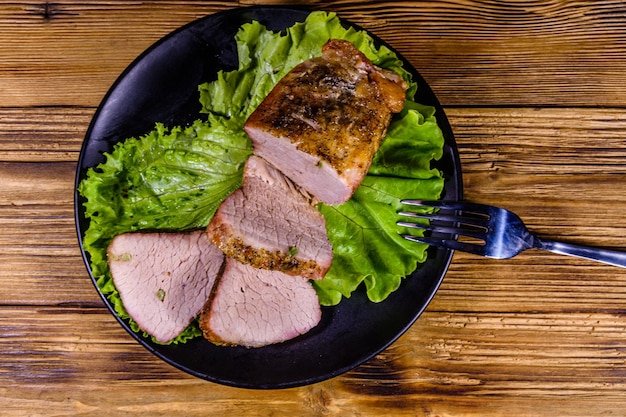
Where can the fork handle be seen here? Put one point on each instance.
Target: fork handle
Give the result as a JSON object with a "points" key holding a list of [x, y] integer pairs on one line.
{"points": [[611, 257]]}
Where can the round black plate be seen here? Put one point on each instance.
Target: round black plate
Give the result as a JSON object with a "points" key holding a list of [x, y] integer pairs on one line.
{"points": [[162, 85]]}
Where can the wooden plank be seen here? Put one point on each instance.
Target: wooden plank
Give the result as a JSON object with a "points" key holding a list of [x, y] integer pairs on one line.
{"points": [[42, 134], [40, 262], [531, 282], [542, 164], [447, 364], [69, 53], [472, 53]]}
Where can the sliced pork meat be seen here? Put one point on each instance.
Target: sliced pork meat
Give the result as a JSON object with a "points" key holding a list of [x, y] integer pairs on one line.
{"points": [[323, 122], [269, 224], [257, 307], [164, 279]]}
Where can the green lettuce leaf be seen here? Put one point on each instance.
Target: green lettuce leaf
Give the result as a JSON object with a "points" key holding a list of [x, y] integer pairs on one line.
{"points": [[367, 246], [169, 179]]}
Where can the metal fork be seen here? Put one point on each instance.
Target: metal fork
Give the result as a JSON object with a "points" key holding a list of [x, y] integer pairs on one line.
{"points": [[494, 232]]}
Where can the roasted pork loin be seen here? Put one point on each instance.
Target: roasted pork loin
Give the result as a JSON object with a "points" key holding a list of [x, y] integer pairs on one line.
{"points": [[323, 121], [257, 307], [164, 279], [269, 224]]}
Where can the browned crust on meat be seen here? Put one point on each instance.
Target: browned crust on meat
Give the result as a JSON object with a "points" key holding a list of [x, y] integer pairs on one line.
{"points": [[204, 316], [391, 87], [234, 247], [340, 97], [204, 322], [209, 335]]}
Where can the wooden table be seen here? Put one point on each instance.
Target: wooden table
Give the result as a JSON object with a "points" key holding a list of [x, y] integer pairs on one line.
{"points": [[536, 94]]}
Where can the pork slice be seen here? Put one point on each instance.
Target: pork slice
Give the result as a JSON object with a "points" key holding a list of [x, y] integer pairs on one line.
{"points": [[164, 279], [323, 122], [269, 224], [256, 307]]}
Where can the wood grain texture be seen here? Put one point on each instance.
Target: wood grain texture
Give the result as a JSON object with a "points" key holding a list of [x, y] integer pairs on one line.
{"points": [[527, 52], [449, 364], [534, 91]]}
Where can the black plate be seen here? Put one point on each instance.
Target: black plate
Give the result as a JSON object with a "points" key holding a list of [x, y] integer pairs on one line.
{"points": [[162, 85]]}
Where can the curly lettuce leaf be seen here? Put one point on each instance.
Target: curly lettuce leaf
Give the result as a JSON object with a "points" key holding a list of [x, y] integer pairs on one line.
{"points": [[168, 179], [367, 247]]}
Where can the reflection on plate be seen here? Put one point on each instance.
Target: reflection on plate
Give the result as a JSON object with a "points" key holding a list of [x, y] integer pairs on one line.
{"points": [[161, 85]]}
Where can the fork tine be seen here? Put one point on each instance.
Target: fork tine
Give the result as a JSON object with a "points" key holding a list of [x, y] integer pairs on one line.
{"points": [[473, 221], [465, 207], [441, 204], [436, 228], [448, 244], [467, 220], [474, 216]]}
